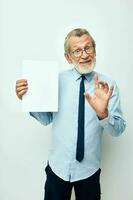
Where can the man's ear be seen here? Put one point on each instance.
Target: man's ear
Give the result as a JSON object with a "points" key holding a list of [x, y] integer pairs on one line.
{"points": [[68, 57]]}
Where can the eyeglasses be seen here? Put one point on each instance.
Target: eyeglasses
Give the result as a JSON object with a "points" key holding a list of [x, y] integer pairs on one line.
{"points": [[79, 52]]}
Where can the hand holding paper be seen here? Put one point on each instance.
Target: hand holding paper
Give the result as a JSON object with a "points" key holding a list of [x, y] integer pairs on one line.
{"points": [[21, 87]]}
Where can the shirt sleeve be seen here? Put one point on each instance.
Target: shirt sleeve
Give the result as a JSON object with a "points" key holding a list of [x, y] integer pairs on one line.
{"points": [[114, 124], [44, 118]]}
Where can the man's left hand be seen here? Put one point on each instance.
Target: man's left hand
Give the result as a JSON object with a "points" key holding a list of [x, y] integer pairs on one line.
{"points": [[99, 100]]}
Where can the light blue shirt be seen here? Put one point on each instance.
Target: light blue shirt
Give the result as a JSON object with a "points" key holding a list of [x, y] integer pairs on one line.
{"points": [[62, 154]]}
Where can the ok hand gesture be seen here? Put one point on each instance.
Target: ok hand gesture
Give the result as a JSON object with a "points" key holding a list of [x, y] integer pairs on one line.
{"points": [[99, 100]]}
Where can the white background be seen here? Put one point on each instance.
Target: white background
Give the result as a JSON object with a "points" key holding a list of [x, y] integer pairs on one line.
{"points": [[36, 30]]}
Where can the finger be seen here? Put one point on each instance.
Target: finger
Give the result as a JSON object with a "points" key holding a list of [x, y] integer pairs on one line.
{"points": [[87, 96], [101, 84], [21, 80], [106, 88], [96, 78], [22, 83], [18, 89], [110, 91], [20, 94], [96, 81]]}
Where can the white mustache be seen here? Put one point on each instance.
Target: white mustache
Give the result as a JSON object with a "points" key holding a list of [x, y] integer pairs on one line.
{"points": [[85, 71]]}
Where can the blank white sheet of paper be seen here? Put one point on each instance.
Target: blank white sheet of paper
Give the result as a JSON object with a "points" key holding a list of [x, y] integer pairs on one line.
{"points": [[42, 94]]}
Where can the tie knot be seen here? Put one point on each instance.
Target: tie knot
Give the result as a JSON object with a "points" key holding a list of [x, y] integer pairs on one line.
{"points": [[83, 77]]}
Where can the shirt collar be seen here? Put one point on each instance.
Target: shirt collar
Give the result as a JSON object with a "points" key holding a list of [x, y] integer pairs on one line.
{"points": [[77, 75]]}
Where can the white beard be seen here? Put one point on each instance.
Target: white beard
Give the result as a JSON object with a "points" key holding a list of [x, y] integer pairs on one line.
{"points": [[85, 71]]}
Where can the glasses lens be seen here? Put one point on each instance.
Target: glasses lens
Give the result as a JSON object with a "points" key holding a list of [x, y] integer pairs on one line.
{"points": [[88, 49], [78, 52]]}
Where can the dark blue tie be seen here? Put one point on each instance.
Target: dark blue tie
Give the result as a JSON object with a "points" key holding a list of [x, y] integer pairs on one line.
{"points": [[80, 138]]}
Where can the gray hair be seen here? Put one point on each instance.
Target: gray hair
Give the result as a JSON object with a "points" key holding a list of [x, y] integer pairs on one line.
{"points": [[76, 32]]}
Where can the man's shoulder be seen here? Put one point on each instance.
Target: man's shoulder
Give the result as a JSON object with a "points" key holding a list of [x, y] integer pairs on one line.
{"points": [[65, 73]]}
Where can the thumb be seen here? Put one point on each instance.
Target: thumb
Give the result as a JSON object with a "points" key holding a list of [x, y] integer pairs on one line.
{"points": [[87, 96]]}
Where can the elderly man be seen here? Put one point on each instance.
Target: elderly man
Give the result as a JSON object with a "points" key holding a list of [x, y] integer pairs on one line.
{"points": [[88, 104]]}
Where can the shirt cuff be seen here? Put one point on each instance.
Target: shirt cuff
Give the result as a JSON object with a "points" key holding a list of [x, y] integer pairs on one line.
{"points": [[107, 120]]}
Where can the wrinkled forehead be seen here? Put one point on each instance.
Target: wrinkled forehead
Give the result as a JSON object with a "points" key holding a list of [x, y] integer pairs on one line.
{"points": [[79, 42]]}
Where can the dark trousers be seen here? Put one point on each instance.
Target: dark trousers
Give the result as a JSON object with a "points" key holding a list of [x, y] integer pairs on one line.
{"points": [[58, 189]]}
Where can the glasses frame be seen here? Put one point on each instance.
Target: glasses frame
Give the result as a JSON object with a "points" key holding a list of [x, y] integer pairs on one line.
{"points": [[91, 50]]}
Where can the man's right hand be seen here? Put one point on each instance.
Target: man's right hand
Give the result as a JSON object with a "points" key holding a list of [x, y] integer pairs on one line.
{"points": [[21, 87]]}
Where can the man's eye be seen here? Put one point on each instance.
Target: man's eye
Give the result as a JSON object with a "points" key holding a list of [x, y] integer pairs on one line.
{"points": [[87, 47], [78, 50]]}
